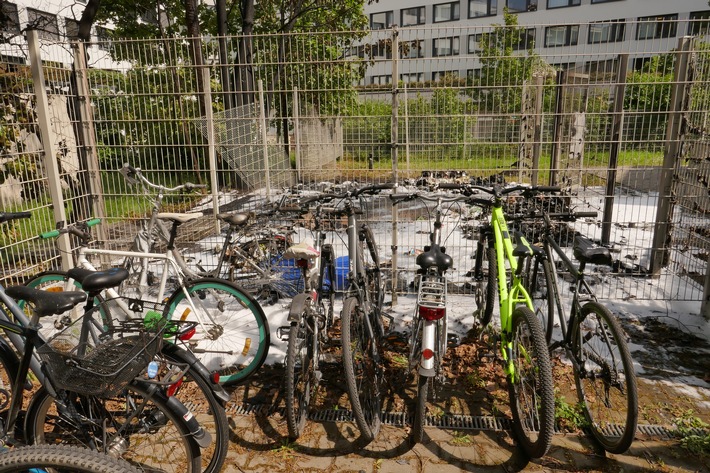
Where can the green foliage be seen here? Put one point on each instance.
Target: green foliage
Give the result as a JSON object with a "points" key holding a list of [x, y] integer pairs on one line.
{"points": [[687, 426], [569, 417]]}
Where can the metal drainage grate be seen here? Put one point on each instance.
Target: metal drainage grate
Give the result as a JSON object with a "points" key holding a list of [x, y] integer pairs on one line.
{"points": [[455, 422]]}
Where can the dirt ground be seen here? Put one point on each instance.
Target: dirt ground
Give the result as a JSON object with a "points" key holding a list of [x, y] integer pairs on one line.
{"points": [[673, 371]]}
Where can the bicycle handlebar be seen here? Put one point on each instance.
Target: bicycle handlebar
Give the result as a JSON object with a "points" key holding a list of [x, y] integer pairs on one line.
{"points": [[79, 229], [497, 190], [7, 216], [132, 175]]}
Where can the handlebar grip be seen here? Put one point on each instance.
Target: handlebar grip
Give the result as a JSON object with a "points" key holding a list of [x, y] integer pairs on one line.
{"points": [[49, 234], [450, 185], [130, 168], [585, 214], [92, 222]]}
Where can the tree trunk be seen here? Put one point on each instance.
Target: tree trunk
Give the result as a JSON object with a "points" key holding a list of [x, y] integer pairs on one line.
{"points": [[244, 71]]}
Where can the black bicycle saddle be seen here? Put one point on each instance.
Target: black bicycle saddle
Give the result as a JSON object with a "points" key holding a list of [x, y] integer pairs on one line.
{"points": [[435, 256]]}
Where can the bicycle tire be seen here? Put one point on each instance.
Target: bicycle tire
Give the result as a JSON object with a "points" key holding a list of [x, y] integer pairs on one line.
{"points": [[419, 421], [300, 378], [236, 340], [61, 459], [173, 450], [327, 284], [9, 366], [530, 386], [537, 279], [361, 367], [609, 405], [486, 291]]}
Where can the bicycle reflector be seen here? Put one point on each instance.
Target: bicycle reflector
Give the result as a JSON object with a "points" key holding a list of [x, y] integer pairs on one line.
{"points": [[432, 313], [427, 354]]}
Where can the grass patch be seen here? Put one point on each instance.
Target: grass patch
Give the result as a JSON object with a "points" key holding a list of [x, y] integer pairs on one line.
{"points": [[686, 429], [570, 417]]}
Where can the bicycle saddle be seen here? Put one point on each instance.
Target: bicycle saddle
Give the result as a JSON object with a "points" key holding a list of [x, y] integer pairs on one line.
{"points": [[302, 250], [435, 256], [97, 281], [586, 252], [523, 248], [45, 302], [178, 218], [236, 219]]}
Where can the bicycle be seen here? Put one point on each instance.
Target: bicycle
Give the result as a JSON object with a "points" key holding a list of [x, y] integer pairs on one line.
{"points": [[429, 336], [310, 318], [251, 252], [526, 361], [361, 319], [233, 334], [93, 391], [592, 338]]}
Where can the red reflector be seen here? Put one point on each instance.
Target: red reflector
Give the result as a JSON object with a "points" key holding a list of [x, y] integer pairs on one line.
{"points": [[428, 354], [215, 377], [188, 334], [302, 263], [432, 313], [174, 388]]}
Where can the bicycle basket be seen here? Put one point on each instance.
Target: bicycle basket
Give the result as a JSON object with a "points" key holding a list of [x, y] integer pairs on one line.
{"points": [[101, 367]]}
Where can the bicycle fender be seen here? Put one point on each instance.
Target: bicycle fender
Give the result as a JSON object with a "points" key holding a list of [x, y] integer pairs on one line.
{"points": [[201, 436], [184, 356], [298, 304], [427, 372]]}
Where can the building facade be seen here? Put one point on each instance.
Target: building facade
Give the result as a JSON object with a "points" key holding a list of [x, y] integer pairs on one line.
{"points": [[439, 38]]}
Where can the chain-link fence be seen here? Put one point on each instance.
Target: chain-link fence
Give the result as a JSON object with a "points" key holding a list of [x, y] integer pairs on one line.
{"points": [[607, 124]]}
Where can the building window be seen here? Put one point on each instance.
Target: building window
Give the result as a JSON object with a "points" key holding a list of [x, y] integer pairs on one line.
{"points": [[478, 8], [473, 74], [517, 6], [11, 20], [561, 36], [526, 41], [446, 46], [438, 75], [381, 80], [412, 77], [71, 28], [606, 32], [381, 20], [654, 27], [446, 12], [562, 3], [103, 36], [699, 24], [412, 49], [413, 16], [45, 24], [603, 1], [474, 41]]}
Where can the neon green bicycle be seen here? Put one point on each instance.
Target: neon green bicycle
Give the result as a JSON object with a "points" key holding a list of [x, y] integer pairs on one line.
{"points": [[526, 361]]}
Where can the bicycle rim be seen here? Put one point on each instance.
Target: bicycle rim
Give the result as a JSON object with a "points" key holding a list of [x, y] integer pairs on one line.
{"points": [[233, 333], [362, 369], [300, 378], [530, 386], [139, 428], [538, 282], [606, 382], [61, 459]]}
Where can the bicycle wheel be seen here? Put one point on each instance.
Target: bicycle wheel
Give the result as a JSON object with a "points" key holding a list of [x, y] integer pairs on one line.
{"points": [[233, 334], [135, 425], [9, 365], [530, 385], [423, 383], [537, 279], [362, 368], [300, 375], [371, 263], [486, 286], [196, 394], [326, 284], [61, 459], [606, 382]]}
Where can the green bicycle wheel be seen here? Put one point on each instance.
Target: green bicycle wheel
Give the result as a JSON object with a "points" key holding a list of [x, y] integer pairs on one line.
{"points": [[232, 334]]}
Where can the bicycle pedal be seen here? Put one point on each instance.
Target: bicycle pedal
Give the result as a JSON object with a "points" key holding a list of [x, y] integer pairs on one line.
{"points": [[282, 332], [453, 340]]}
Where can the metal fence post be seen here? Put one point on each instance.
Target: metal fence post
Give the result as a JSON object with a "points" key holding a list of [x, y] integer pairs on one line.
{"points": [[297, 135], [617, 134], [264, 134], [395, 144], [211, 145], [664, 209], [49, 154]]}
